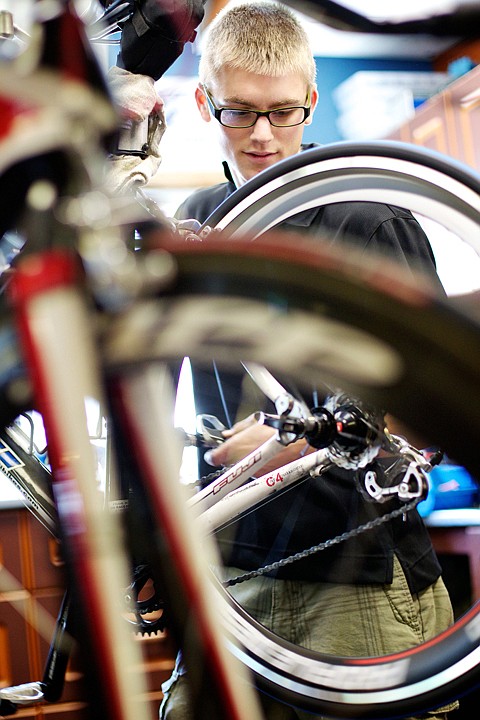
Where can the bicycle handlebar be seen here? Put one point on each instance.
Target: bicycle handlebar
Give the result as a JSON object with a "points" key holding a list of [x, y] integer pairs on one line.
{"points": [[462, 20]]}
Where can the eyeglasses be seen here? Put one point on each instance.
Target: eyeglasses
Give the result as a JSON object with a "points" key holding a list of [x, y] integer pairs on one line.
{"points": [[281, 117]]}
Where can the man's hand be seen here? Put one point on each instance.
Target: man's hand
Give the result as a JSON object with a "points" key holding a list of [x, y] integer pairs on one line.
{"points": [[137, 102], [244, 437]]}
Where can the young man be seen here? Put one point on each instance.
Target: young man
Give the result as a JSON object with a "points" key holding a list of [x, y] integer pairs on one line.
{"points": [[382, 591]]}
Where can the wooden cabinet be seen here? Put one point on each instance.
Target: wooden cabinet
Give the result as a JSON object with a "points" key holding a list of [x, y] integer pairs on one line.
{"points": [[31, 589], [464, 101], [31, 592], [449, 122]]}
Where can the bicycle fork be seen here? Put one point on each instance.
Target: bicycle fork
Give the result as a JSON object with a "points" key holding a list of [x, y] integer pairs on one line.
{"points": [[60, 356]]}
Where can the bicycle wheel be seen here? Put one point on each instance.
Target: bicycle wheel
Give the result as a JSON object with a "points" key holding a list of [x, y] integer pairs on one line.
{"points": [[396, 345]]}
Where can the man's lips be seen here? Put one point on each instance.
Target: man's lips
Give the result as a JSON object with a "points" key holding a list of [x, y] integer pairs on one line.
{"points": [[260, 157]]}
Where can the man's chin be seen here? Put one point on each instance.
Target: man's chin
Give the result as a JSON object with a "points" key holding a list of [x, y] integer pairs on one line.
{"points": [[247, 173], [255, 171]]}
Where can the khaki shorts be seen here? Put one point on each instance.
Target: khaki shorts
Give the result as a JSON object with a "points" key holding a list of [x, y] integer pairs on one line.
{"points": [[350, 620]]}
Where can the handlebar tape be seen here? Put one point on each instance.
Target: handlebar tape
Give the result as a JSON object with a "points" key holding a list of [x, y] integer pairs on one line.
{"points": [[156, 33]]}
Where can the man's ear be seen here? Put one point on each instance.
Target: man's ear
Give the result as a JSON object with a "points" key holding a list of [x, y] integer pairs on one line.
{"points": [[313, 104], [202, 103]]}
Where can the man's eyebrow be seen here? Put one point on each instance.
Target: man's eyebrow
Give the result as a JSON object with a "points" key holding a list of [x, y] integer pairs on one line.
{"points": [[234, 100]]}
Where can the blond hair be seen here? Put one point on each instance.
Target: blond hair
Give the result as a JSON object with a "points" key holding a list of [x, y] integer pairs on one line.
{"points": [[264, 38]]}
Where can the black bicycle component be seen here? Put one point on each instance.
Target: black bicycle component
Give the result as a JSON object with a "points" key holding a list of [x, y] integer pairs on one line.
{"points": [[60, 650], [7, 708], [142, 600], [156, 34], [51, 687], [462, 21], [324, 429], [353, 430], [320, 429]]}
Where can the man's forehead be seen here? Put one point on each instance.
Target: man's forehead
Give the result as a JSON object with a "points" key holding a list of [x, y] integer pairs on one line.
{"points": [[250, 89]]}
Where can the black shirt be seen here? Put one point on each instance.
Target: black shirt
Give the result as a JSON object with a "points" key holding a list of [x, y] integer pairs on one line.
{"points": [[317, 510]]}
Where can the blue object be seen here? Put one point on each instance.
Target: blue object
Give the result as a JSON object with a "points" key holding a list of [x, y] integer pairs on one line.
{"points": [[450, 487], [460, 67]]}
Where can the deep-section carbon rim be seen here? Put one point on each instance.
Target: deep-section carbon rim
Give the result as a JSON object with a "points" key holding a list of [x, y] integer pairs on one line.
{"points": [[205, 313]]}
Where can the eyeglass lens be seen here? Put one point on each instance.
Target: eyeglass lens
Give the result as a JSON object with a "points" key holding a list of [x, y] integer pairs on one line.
{"points": [[283, 117]]}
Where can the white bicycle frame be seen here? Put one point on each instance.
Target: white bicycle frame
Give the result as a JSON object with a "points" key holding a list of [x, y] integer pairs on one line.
{"points": [[259, 489], [227, 497]]}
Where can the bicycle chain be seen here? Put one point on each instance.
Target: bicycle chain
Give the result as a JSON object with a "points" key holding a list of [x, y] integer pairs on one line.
{"points": [[408, 507]]}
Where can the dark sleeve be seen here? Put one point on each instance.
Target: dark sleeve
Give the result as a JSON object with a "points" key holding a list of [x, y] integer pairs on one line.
{"points": [[189, 210], [384, 230], [201, 204], [402, 237]]}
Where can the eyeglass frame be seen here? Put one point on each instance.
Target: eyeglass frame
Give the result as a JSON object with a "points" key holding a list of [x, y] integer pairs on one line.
{"points": [[217, 112]]}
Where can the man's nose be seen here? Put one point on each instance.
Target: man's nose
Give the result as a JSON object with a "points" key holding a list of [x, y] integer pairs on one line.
{"points": [[262, 130]]}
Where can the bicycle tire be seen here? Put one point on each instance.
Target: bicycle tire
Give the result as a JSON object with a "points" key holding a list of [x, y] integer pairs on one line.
{"points": [[396, 173], [224, 283], [383, 171]]}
